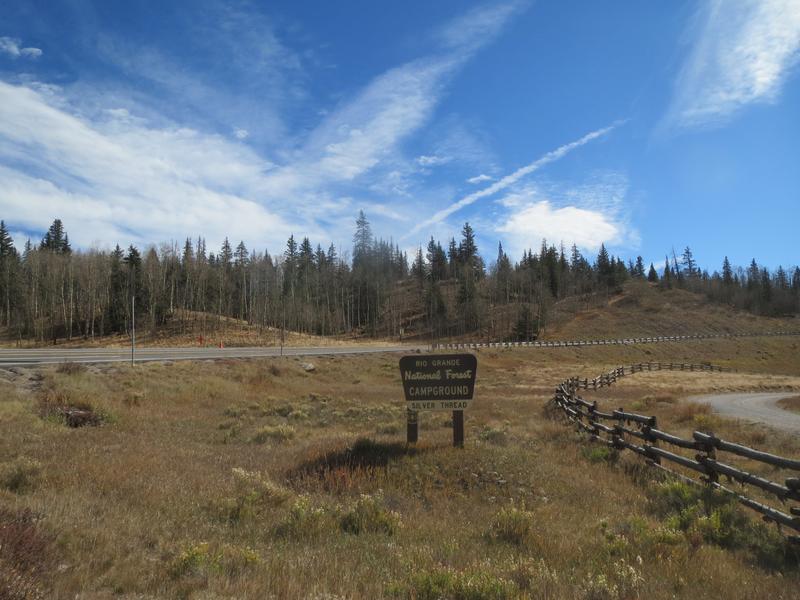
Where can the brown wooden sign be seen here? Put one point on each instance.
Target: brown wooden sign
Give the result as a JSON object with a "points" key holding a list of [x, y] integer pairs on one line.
{"points": [[438, 381]]}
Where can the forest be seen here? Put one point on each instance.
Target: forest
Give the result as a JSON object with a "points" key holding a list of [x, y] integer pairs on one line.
{"points": [[50, 291]]}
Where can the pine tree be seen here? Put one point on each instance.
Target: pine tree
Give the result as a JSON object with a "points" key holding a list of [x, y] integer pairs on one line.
{"points": [[639, 269], [666, 277], [527, 327], [418, 269], [56, 240], [727, 272], [362, 240], [689, 264], [652, 275], [8, 264]]}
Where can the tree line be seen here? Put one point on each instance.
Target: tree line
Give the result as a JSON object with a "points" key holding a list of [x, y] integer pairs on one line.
{"points": [[50, 291]]}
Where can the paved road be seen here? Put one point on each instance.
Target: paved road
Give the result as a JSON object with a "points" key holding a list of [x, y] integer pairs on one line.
{"points": [[755, 407], [21, 358]]}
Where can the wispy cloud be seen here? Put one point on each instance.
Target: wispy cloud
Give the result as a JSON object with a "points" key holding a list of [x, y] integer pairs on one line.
{"points": [[13, 47], [479, 178], [511, 179], [120, 170], [365, 133], [119, 180], [433, 160], [742, 54]]}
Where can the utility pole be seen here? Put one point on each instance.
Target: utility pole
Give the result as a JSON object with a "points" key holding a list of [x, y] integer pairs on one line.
{"points": [[133, 328]]}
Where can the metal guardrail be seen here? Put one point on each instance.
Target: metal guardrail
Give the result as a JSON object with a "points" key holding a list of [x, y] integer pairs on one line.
{"points": [[605, 342]]}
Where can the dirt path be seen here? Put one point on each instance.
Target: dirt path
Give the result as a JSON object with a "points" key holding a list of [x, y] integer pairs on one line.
{"points": [[754, 407]]}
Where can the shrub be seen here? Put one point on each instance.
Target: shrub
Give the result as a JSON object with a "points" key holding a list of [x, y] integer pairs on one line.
{"points": [[493, 435], [254, 493], [21, 475], [25, 558], [623, 582], [689, 411], [598, 454], [449, 584], [234, 412], [196, 559], [277, 433], [369, 515], [58, 405], [531, 575], [304, 521], [71, 368], [203, 559], [711, 516], [512, 525]]}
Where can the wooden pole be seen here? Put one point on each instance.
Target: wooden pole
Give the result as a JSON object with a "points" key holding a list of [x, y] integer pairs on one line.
{"points": [[458, 428], [133, 329], [412, 427]]}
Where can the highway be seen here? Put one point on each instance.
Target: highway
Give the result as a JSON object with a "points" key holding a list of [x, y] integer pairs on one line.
{"points": [[49, 356]]}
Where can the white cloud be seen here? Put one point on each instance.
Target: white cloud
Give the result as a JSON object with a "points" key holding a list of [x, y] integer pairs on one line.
{"points": [[13, 48], [508, 180], [743, 53], [432, 160], [109, 179], [115, 166], [586, 214], [479, 178], [540, 220]]}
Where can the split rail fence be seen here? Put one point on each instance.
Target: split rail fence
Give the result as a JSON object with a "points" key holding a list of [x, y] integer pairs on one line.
{"points": [[623, 430], [611, 342]]}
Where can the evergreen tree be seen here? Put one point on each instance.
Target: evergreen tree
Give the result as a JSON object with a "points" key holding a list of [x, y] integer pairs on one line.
{"points": [[639, 269], [527, 327], [8, 266], [727, 272], [362, 240], [689, 264], [56, 239], [666, 277], [652, 274]]}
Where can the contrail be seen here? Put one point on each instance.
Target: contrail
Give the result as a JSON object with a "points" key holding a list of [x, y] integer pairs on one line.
{"points": [[508, 180]]}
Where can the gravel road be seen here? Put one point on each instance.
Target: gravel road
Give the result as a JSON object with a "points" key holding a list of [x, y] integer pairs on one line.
{"points": [[754, 408]]}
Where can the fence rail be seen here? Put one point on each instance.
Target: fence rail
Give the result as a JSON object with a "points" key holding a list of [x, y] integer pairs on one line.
{"points": [[640, 434], [608, 342]]}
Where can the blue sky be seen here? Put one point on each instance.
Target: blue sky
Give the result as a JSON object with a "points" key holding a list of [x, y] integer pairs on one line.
{"points": [[643, 125]]}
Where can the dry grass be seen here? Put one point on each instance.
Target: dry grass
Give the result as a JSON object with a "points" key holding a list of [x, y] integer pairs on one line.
{"points": [[172, 497], [792, 403]]}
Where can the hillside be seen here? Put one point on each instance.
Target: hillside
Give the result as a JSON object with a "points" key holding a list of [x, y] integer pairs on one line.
{"points": [[642, 309]]}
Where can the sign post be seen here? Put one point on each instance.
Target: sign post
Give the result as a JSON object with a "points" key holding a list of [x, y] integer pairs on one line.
{"points": [[438, 382], [412, 427]]}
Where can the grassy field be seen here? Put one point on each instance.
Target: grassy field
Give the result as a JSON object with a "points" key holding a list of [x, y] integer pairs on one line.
{"points": [[259, 479]]}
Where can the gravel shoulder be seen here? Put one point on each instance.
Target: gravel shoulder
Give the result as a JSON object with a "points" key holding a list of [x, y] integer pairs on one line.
{"points": [[754, 407]]}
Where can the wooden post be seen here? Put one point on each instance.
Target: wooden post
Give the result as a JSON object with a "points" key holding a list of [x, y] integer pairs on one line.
{"points": [[458, 428], [412, 427]]}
